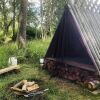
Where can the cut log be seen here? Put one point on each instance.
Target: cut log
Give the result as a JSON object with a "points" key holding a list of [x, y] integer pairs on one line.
{"points": [[18, 90], [30, 83], [26, 84], [24, 87], [21, 83], [11, 68], [33, 87]]}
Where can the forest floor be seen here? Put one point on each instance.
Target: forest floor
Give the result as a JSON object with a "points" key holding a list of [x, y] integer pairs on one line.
{"points": [[59, 89]]}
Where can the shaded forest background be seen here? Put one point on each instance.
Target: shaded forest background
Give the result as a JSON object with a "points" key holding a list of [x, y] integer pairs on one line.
{"points": [[42, 18], [27, 27]]}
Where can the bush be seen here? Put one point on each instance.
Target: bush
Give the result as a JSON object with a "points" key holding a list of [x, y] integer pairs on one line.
{"points": [[34, 50], [32, 33]]}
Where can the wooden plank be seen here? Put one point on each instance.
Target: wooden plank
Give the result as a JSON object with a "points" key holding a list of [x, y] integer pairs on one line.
{"points": [[17, 89], [20, 83], [82, 66], [75, 64], [11, 68]]}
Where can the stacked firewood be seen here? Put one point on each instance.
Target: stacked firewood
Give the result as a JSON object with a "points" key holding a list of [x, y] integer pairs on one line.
{"points": [[90, 80], [49, 65], [63, 71], [24, 87]]}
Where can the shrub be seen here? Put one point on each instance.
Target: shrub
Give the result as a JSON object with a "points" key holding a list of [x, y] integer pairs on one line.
{"points": [[32, 32], [34, 50]]}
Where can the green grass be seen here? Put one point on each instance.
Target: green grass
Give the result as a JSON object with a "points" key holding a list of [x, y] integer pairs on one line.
{"points": [[5, 52], [59, 89]]}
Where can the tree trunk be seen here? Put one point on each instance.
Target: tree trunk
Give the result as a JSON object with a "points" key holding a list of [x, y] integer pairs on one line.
{"points": [[5, 18], [41, 13], [49, 16], [13, 24], [22, 24]]}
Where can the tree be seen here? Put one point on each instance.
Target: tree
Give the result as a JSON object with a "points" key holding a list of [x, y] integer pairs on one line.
{"points": [[14, 14], [22, 23], [51, 12], [4, 12], [45, 14], [41, 22], [49, 15]]}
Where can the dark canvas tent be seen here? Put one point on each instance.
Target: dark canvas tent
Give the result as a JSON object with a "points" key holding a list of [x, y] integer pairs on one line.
{"points": [[77, 38]]}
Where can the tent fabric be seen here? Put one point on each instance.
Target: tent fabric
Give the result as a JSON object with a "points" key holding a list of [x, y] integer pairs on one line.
{"points": [[77, 35]]}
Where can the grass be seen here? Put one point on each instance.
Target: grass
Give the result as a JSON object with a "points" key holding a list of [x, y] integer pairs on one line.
{"points": [[59, 89]]}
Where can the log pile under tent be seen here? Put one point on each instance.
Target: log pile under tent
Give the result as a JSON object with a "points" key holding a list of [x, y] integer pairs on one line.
{"points": [[74, 52]]}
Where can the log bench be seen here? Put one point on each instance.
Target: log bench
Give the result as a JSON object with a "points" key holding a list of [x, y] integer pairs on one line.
{"points": [[9, 69]]}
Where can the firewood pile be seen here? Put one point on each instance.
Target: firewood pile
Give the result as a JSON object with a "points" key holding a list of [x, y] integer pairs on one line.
{"points": [[84, 77], [26, 88]]}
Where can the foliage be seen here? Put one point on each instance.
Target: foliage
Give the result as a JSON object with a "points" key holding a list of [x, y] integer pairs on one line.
{"points": [[32, 33], [32, 15], [52, 11], [8, 12], [5, 52], [32, 53]]}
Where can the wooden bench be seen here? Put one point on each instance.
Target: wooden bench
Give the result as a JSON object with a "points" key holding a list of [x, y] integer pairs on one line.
{"points": [[8, 69]]}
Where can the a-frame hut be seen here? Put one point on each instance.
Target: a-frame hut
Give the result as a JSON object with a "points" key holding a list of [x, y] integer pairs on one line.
{"points": [[74, 52]]}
